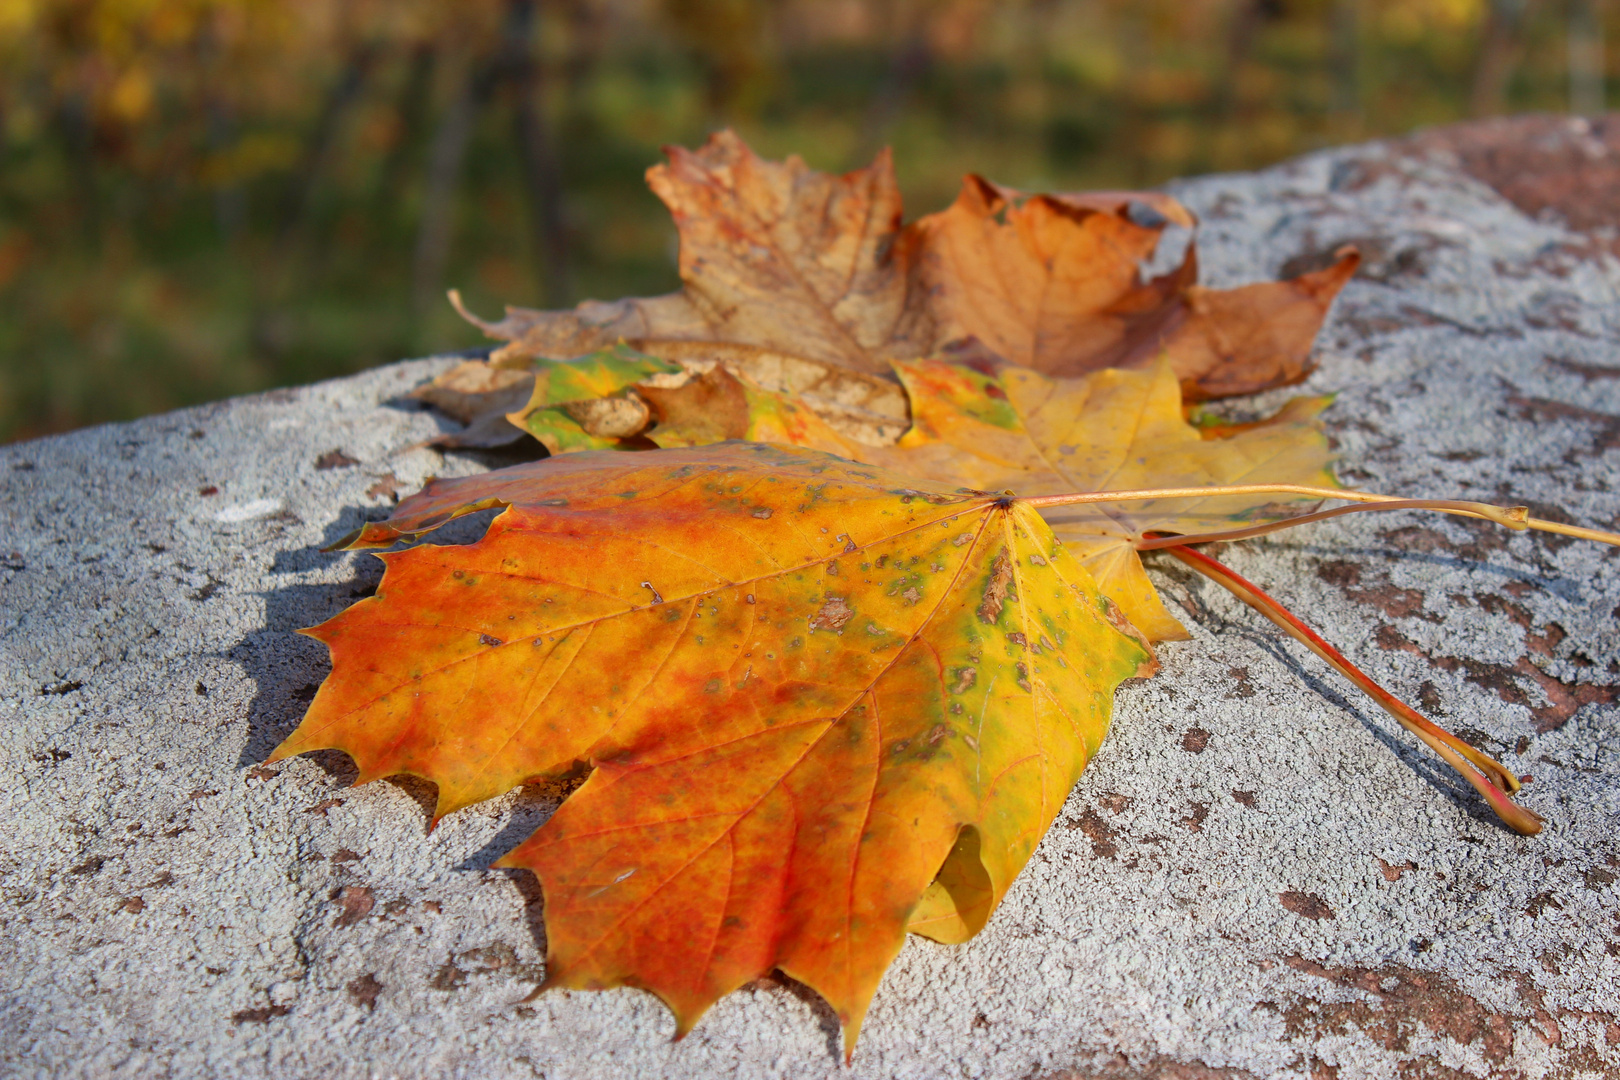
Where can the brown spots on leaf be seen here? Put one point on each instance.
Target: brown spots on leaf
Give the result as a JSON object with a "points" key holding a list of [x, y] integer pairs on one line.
{"points": [[1393, 873], [911, 596], [364, 990], [1307, 905], [1023, 678], [1149, 666], [1195, 741], [833, 614], [965, 538], [995, 592], [489, 639], [1036, 560], [965, 678], [357, 901], [1018, 639]]}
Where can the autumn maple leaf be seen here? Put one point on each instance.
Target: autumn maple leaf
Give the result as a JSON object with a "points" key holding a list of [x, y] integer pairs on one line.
{"points": [[820, 704], [1051, 283], [1009, 428], [811, 284], [999, 427]]}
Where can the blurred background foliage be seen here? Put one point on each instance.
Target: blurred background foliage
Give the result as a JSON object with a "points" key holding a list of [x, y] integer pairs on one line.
{"points": [[205, 197]]}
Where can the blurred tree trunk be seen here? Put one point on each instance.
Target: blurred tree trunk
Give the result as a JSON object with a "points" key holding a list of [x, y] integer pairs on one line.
{"points": [[542, 177], [230, 202], [1585, 43], [445, 156], [273, 328], [74, 125], [321, 143], [1344, 61], [1240, 35], [513, 62], [908, 64], [410, 113], [1499, 51]]}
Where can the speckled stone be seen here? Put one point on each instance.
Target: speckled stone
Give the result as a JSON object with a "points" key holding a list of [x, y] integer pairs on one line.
{"points": [[1260, 875]]}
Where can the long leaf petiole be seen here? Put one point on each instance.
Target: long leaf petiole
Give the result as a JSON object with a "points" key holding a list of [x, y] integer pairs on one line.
{"points": [[1512, 517], [1487, 776]]}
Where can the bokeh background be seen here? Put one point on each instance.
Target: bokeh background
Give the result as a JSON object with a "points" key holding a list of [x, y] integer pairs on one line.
{"points": [[206, 197]]}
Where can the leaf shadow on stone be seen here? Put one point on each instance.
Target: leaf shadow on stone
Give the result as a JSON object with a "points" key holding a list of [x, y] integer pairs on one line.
{"points": [[533, 808], [1565, 588], [286, 667], [1271, 642]]}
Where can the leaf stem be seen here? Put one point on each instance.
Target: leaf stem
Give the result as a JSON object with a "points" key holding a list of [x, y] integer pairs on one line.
{"points": [[1512, 517], [1488, 777], [1450, 506]]}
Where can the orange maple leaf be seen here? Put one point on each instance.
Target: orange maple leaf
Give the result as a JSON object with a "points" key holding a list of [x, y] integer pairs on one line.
{"points": [[820, 704], [1051, 282], [998, 427], [781, 263]]}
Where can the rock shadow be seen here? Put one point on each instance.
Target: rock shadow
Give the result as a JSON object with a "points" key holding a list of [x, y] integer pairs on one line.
{"points": [[1414, 755], [286, 667]]}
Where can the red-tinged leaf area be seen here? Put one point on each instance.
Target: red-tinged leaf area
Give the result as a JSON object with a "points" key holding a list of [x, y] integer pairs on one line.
{"points": [[819, 704], [1051, 282]]}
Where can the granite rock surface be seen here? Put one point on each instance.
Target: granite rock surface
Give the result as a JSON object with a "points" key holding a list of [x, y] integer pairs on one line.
{"points": [[1259, 876]]}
